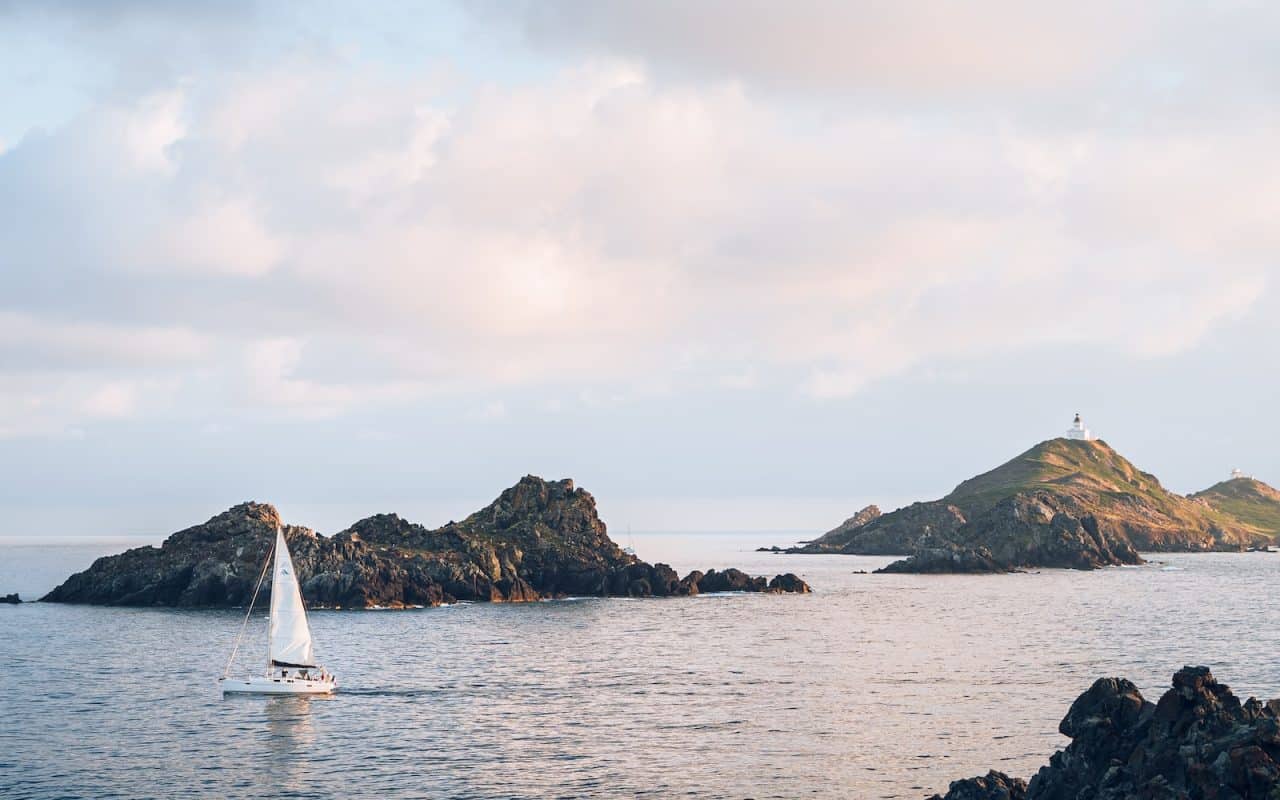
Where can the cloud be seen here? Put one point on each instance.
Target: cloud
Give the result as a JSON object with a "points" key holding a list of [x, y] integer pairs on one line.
{"points": [[115, 399], [30, 343], [1051, 61], [490, 411], [826, 44], [224, 236], [317, 235]]}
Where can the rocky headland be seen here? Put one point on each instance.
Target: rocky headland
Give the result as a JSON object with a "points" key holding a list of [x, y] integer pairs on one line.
{"points": [[1063, 503], [11, 599], [1199, 742], [540, 539]]}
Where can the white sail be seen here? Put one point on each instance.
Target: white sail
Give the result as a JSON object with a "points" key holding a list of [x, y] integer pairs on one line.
{"points": [[290, 635]]}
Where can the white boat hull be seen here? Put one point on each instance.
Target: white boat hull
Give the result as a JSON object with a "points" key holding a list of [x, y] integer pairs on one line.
{"points": [[264, 685]]}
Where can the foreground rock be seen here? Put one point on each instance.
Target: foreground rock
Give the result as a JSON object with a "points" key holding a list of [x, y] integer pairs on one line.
{"points": [[11, 599], [1199, 741], [1063, 503], [539, 539]]}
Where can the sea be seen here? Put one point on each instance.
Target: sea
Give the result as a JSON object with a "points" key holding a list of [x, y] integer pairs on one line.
{"points": [[873, 686]]}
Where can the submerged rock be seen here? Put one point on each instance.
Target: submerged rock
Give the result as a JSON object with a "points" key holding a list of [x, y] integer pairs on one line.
{"points": [[540, 539], [1198, 741]]}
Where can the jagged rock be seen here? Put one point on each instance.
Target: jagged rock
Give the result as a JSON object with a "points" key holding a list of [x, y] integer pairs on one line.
{"points": [[1029, 529], [539, 539], [993, 786], [789, 583], [1198, 742], [11, 599], [941, 556], [689, 584], [833, 540], [874, 534], [731, 580]]}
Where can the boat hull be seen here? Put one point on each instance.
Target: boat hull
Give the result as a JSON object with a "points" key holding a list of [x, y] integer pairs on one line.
{"points": [[258, 685]]}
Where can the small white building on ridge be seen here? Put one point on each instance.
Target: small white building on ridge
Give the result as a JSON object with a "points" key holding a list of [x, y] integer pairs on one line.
{"points": [[1079, 431]]}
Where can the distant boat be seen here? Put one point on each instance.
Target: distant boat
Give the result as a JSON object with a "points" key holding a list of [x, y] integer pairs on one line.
{"points": [[291, 662], [630, 549]]}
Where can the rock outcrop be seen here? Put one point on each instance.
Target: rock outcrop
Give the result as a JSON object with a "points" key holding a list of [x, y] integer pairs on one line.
{"points": [[11, 599], [540, 539], [1198, 741], [992, 786], [1063, 503], [941, 556]]}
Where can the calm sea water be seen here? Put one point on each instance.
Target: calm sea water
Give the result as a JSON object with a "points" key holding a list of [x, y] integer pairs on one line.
{"points": [[874, 686]]}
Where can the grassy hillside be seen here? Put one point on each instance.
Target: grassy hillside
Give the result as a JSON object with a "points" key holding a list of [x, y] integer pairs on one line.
{"points": [[1061, 465], [1105, 483], [1251, 501], [1013, 506]]}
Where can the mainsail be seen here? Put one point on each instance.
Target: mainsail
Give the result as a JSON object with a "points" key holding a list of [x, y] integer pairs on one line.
{"points": [[290, 637]]}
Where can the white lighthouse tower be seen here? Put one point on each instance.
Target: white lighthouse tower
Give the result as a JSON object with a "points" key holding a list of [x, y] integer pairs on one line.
{"points": [[1079, 431]]}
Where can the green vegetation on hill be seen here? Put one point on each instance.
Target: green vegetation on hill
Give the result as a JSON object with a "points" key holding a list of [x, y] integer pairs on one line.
{"points": [[1108, 485], [1059, 465], [1250, 501]]}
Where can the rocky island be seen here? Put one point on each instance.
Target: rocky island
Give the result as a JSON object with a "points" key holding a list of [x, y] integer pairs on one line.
{"points": [[540, 539], [1198, 741], [1064, 503]]}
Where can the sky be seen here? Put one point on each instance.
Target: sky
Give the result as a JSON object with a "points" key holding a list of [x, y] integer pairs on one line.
{"points": [[728, 265]]}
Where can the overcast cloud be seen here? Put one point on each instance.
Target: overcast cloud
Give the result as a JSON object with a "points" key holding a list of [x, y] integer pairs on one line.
{"points": [[885, 244]]}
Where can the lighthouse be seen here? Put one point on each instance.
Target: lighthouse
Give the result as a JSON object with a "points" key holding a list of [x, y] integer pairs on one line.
{"points": [[1079, 431]]}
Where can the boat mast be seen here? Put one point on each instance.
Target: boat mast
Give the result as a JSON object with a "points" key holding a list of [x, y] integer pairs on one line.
{"points": [[272, 611], [265, 563]]}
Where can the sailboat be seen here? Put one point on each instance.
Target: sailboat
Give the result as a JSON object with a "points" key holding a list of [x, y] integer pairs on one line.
{"points": [[291, 662]]}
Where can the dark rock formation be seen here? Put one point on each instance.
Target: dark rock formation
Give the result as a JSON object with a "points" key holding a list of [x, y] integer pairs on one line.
{"points": [[731, 580], [993, 786], [539, 539], [789, 583], [1198, 742], [1063, 503], [936, 556], [870, 533], [833, 540], [13, 599], [1034, 529]]}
